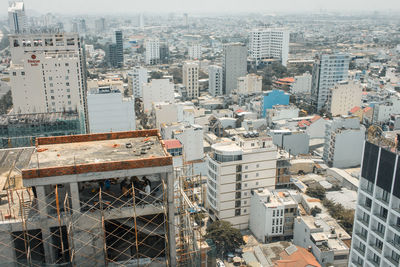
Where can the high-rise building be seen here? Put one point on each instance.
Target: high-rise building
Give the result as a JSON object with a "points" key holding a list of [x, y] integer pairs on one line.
{"points": [[190, 79], [16, 17], [136, 78], [141, 21], [194, 51], [235, 168], [301, 84], [152, 51], [328, 70], [215, 82], [100, 25], [48, 74], [234, 65], [119, 48], [269, 43], [164, 53], [82, 26], [376, 229], [111, 54]]}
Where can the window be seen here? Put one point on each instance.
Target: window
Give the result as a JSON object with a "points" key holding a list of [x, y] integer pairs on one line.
{"points": [[376, 259], [51, 85], [258, 165], [395, 257], [378, 244], [68, 90], [52, 97], [383, 212], [23, 73], [50, 78], [257, 174], [256, 183], [67, 83], [380, 228], [67, 77], [280, 221], [273, 213], [237, 212], [66, 64], [273, 230], [68, 96], [368, 202], [246, 167], [14, 73]]}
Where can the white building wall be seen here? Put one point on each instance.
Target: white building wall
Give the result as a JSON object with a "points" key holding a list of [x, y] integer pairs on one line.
{"points": [[344, 97], [157, 90], [194, 52], [269, 43], [136, 78], [348, 148], [152, 51], [110, 112], [301, 84], [165, 113], [317, 129], [249, 84], [191, 138], [234, 65]]}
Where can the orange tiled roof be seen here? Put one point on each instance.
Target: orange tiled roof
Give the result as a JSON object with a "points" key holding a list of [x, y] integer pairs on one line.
{"points": [[172, 143], [315, 118], [300, 258], [355, 109], [367, 109]]}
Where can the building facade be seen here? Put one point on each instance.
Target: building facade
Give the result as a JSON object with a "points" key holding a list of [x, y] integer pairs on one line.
{"points": [[119, 48], [48, 74], [157, 90], [190, 79], [249, 84], [110, 111], [16, 17], [272, 98], [152, 51], [136, 78], [376, 230], [234, 65], [215, 80], [194, 52], [235, 168], [301, 84], [327, 71], [344, 96], [269, 43]]}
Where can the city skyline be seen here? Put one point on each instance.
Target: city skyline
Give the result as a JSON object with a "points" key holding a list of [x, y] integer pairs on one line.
{"points": [[208, 6]]}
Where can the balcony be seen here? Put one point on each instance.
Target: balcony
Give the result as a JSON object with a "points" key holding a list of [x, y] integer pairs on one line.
{"points": [[367, 190], [362, 237], [364, 222], [381, 217], [384, 202], [376, 248], [391, 260], [360, 251], [380, 234], [368, 208]]}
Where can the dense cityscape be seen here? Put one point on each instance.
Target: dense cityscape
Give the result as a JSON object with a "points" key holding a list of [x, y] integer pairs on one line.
{"points": [[195, 139]]}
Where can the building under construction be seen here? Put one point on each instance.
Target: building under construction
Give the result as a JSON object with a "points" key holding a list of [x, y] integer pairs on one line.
{"points": [[110, 199], [22, 129]]}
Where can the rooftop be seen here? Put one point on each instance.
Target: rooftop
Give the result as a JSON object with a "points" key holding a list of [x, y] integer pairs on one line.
{"points": [[295, 256], [37, 118], [94, 152]]}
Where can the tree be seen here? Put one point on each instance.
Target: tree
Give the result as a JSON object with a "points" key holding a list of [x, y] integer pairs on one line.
{"points": [[315, 211], [316, 191], [6, 103], [156, 75], [225, 236], [345, 217]]}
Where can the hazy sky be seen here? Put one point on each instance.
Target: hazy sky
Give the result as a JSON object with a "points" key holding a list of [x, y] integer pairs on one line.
{"points": [[200, 6]]}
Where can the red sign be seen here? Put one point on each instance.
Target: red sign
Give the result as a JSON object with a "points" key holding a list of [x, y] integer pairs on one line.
{"points": [[33, 61]]}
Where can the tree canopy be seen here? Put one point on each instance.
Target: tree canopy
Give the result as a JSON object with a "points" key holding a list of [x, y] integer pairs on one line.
{"points": [[225, 236]]}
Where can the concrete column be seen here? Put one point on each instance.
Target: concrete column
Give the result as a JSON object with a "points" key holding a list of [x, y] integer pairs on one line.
{"points": [[169, 179], [75, 202], [46, 234], [7, 251], [41, 200]]}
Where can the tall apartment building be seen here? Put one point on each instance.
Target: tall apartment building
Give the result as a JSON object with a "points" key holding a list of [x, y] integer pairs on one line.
{"points": [[235, 168], [17, 18], [190, 79], [327, 71], [249, 84], [157, 90], [152, 51], [194, 52], [234, 65], [110, 111], [344, 96], [215, 80], [111, 54], [376, 230], [164, 53], [48, 74], [269, 43], [119, 48], [136, 78]]}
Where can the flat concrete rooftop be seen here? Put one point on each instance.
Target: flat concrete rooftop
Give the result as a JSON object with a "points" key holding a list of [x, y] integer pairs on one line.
{"points": [[56, 156], [95, 152]]}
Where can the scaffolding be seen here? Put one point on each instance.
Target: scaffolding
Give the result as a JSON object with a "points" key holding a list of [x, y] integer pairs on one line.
{"points": [[191, 248], [130, 229]]}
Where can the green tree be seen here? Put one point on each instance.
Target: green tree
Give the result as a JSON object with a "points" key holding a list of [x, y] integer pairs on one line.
{"points": [[345, 217], [315, 211], [6, 103], [156, 75], [316, 191], [225, 236]]}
